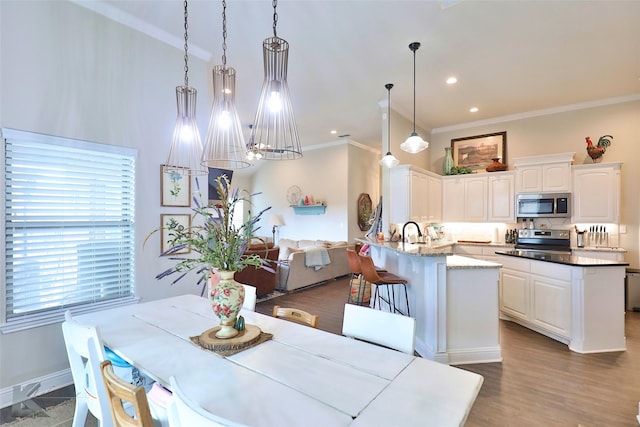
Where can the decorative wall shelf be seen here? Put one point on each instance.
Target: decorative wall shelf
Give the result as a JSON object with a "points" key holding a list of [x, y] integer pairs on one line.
{"points": [[309, 209]]}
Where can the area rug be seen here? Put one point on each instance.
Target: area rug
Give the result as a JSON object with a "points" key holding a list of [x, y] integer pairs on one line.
{"points": [[60, 415], [272, 295]]}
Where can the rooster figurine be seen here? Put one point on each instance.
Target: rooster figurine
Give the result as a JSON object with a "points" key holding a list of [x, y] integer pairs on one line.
{"points": [[596, 151]]}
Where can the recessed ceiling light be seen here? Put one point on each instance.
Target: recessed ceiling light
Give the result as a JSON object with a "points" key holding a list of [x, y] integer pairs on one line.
{"points": [[452, 80], [333, 132], [473, 109]]}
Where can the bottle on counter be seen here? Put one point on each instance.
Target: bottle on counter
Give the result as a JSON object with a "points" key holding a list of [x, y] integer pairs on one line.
{"points": [[531, 225]]}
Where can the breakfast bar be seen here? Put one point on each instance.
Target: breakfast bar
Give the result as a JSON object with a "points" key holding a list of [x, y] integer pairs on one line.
{"points": [[453, 298]]}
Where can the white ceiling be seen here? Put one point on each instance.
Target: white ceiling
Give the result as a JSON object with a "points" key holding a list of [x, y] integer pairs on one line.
{"points": [[510, 57]]}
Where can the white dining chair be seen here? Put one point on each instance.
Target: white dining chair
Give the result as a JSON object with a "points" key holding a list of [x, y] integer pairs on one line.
{"points": [[183, 412], [86, 351], [250, 297], [380, 327], [91, 394]]}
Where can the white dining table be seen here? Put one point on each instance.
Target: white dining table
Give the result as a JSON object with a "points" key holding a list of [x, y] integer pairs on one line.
{"points": [[301, 377]]}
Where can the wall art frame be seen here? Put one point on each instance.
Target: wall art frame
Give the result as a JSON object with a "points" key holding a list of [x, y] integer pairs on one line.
{"points": [[175, 187], [365, 211], [477, 152], [167, 221]]}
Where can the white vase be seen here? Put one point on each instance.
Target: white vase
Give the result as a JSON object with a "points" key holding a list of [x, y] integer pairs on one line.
{"points": [[227, 297]]}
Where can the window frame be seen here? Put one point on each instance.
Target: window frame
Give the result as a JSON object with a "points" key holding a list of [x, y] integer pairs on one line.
{"points": [[56, 314]]}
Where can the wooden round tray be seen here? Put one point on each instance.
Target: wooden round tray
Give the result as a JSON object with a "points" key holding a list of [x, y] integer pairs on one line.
{"points": [[245, 339]]}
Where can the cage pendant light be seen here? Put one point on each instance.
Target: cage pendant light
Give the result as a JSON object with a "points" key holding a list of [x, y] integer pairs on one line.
{"points": [[389, 160], [186, 145], [274, 135], [414, 144], [224, 147]]}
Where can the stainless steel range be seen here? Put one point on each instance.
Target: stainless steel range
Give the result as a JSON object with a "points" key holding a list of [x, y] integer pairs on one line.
{"points": [[556, 241]]}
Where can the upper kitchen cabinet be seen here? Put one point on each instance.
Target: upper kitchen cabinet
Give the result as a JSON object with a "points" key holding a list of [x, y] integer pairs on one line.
{"points": [[486, 197], [546, 173], [464, 198], [596, 193], [416, 195], [501, 197]]}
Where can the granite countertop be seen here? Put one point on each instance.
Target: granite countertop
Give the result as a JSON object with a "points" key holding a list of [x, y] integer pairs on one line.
{"points": [[416, 249], [598, 249], [566, 259], [461, 262]]}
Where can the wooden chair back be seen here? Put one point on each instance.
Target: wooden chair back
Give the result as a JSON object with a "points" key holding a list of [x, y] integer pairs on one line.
{"points": [[380, 327], [118, 392], [297, 315]]}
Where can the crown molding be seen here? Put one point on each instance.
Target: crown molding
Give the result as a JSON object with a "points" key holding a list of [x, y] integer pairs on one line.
{"points": [[108, 11], [537, 113]]}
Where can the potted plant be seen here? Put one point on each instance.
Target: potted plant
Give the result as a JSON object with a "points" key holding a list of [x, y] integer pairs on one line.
{"points": [[216, 245]]}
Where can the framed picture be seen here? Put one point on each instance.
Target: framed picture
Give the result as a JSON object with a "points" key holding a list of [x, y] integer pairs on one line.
{"points": [[175, 187], [169, 222], [477, 152]]}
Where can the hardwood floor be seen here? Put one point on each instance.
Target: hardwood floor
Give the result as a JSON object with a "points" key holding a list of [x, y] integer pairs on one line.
{"points": [[539, 383]]}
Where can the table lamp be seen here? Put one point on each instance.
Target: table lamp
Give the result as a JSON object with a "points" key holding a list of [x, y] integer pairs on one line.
{"points": [[275, 221]]}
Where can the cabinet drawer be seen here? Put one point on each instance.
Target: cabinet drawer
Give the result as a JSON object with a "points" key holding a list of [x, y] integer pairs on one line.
{"points": [[549, 269]]}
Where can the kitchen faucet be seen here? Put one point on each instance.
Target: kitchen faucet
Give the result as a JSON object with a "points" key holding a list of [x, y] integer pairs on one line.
{"points": [[405, 226]]}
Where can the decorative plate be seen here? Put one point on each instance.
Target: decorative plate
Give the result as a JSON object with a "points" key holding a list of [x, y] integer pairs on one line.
{"points": [[294, 194]]}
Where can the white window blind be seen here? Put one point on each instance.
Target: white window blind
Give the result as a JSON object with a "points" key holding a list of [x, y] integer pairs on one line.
{"points": [[69, 224]]}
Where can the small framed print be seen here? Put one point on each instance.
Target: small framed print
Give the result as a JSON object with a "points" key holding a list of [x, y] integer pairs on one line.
{"points": [[175, 186], [169, 223]]}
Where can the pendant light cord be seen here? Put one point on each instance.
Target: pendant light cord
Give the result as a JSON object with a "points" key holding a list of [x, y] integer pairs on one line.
{"points": [[414, 89], [186, 46], [274, 3], [224, 33], [389, 86]]}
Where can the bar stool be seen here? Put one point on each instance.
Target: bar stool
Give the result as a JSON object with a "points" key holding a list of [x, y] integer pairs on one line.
{"points": [[386, 279], [356, 273]]}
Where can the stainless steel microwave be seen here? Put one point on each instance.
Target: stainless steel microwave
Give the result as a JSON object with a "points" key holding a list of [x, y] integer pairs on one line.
{"points": [[543, 205]]}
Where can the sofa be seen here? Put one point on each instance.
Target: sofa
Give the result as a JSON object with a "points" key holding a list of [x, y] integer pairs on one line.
{"points": [[264, 280], [293, 270]]}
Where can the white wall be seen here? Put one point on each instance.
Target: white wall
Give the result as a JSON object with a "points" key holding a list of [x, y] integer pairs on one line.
{"points": [[69, 72], [321, 173], [563, 132]]}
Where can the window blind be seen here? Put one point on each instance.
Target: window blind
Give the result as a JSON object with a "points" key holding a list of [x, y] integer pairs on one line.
{"points": [[69, 223]]}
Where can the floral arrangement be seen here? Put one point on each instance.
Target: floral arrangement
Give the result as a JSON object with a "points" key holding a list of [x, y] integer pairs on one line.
{"points": [[218, 243]]}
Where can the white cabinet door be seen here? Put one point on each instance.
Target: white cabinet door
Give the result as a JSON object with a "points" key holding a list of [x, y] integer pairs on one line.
{"points": [[416, 195], [419, 194], [514, 293], [475, 192], [551, 304], [556, 177], [547, 173], [596, 193], [453, 199], [501, 197], [434, 203], [529, 179]]}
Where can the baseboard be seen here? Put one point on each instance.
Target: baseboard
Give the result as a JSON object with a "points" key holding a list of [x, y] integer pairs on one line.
{"points": [[35, 387], [475, 355]]}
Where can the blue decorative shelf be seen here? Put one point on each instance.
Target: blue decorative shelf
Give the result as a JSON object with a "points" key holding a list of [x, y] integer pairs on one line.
{"points": [[309, 209]]}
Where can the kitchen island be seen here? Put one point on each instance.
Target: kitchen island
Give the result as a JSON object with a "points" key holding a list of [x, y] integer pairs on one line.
{"points": [[576, 300], [453, 298]]}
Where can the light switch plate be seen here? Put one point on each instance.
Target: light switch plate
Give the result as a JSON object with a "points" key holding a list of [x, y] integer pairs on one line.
{"points": [[623, 229]]}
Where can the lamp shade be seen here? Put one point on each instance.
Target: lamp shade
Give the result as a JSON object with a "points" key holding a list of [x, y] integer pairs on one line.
{"points": [[276, 220], [389, 160], [414, 144], [224, 146]]}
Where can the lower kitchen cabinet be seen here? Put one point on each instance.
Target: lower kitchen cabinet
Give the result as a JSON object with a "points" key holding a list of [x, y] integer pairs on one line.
{"points": [[582, 307]]}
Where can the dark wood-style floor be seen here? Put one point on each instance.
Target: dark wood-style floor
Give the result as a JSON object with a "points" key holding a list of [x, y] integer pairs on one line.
{"points": [[539, 383]]}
